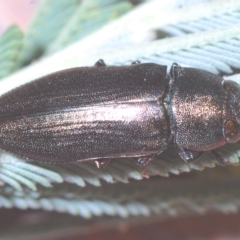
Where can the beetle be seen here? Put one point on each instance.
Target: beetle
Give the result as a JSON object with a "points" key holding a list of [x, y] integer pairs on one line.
{"points": [[104, 112]]}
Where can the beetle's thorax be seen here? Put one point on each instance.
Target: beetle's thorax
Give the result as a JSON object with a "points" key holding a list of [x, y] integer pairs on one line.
{"points": [[231, 105], [197, 109]]}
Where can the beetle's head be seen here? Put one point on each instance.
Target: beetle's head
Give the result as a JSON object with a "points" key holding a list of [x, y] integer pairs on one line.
{"points": [[231, 125]]}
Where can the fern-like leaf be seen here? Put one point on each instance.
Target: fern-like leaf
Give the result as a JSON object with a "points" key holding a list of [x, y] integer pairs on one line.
{"points": [[10, 46], [90, 16]]}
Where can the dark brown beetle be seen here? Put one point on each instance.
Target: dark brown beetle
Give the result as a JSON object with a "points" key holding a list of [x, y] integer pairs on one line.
{"points": [[100, 113]]}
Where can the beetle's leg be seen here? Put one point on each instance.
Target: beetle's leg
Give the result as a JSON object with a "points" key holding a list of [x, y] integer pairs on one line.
{"points": [[136, 62], [187, 155], [143, 161], [218, 158], [102, 162], [176, 71], [100, 63]]}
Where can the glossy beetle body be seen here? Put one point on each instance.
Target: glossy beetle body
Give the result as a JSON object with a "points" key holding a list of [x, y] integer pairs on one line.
{"points": [[101, 112]]}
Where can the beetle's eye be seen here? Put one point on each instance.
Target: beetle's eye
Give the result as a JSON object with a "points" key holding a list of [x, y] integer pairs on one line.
{"points": [[231, 131], [230, 86]]}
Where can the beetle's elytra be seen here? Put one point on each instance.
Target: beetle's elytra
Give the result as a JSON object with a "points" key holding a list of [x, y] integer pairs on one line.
{"points": [[105, 112]]}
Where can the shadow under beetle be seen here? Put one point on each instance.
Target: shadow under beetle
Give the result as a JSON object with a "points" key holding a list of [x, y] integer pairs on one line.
{"points": [[104, 112]]}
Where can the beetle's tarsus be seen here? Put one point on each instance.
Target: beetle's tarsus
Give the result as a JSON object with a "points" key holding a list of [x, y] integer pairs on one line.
{"points": [[218, 158], [143, 161], [102, 163], [176, 71], [136, 62], [100, 63], [187, 155]]}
